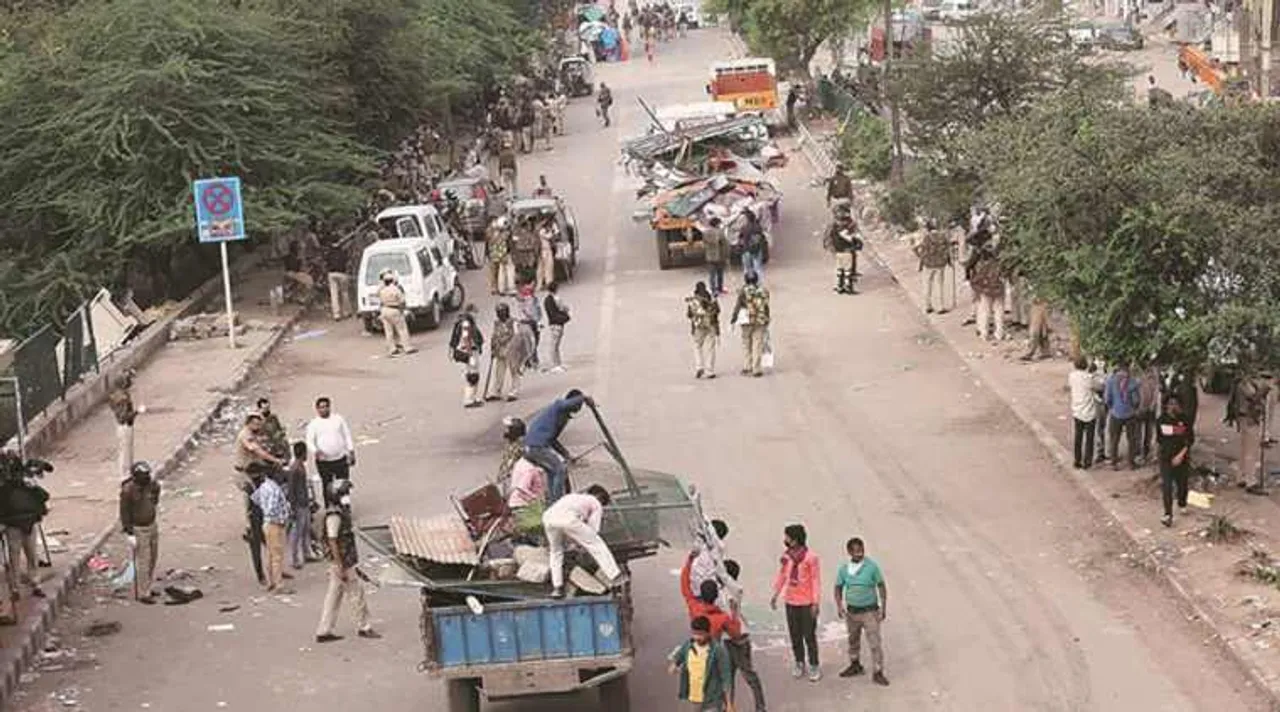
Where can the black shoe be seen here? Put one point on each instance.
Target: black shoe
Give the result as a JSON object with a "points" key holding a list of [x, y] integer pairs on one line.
{"points": [[698, 373], [968, 321], [1077, 466], [1167, 520], [928, 310], [855, 668], [370, 634], [327, 638], [880, 679], [943, 311]]}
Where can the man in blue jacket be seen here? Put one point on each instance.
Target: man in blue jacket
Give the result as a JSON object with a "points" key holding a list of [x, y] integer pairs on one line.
{"points": [[1122, 397], [542, 440]]}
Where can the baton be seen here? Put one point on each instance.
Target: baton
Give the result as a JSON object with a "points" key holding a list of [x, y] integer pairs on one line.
{"points": [[486, 377], [44, 543]]}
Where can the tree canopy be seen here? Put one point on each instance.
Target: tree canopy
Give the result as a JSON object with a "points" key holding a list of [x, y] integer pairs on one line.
{"points": [[109, 108], [792, 31], [1151, 227]]}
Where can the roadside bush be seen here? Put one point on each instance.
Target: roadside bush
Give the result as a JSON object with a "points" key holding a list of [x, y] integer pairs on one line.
{"points": [[866, 147]]}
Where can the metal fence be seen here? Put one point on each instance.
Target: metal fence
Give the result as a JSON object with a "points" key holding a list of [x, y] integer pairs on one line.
{"points": [[44, 367]]}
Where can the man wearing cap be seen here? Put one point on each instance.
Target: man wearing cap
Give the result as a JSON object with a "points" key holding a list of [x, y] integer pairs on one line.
{"points": [[465, 345], [252, 459], [139, 503], [393, 305], [344, 577], [839, 187], [121, 401]]}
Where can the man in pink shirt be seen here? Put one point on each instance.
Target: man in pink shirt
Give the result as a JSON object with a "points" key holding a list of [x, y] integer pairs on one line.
{"points": [[799, 582], [576, 517]]}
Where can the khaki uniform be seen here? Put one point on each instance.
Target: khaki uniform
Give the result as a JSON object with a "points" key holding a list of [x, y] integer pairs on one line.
{"points": [[704, 326], [988, 284], [394, 325], [507, 365], [546, 256], [934, 252], [502, 272], [754, 299]]}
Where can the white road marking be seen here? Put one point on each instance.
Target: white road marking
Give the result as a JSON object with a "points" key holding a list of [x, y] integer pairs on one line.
{"points": [[608, 293]]}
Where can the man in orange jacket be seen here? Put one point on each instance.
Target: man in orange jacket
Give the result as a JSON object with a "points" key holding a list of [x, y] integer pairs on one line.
{"points": [[704, 603]]}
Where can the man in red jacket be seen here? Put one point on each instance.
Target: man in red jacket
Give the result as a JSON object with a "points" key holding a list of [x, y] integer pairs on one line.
{"points": [[704, 603]]}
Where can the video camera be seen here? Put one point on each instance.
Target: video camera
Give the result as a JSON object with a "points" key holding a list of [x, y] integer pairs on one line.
{"points": [[14, 469]]}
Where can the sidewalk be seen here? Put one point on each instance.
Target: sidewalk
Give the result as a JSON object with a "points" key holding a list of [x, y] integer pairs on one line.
{"points": [[1240, 611], [183, 388]]}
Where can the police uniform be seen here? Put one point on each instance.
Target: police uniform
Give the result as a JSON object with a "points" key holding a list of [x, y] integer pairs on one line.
{"points": [[987, 283], [704, 326], [934, 252], [392, 312], [844, 241], [507, 364], [502, 273], [754, 300]]}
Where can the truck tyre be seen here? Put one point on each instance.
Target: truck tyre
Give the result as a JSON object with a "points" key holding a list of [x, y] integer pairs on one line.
{"points": [[464, 695], [615, 696], [664, 250], [372, 324]]}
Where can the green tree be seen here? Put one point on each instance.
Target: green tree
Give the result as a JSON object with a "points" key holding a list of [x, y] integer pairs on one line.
{"points": [[792, 31], [104, 124], [1152, 228], [996, 65]]}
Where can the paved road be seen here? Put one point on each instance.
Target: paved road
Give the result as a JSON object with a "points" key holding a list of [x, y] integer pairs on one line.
{"points": [[1007, 590]]}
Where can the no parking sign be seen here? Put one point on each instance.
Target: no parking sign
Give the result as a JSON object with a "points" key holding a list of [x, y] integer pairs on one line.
{"points": [[219, 212]]}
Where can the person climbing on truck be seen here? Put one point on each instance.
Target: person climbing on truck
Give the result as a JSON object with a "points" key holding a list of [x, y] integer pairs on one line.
{"points": [[542, 441], [577, 516]]}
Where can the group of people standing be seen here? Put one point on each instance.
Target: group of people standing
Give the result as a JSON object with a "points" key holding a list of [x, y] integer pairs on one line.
{"points": [[283, 499], [514, 341], [719, 644]]}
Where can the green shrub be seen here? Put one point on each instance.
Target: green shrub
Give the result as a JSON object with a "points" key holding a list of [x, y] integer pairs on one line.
{"points": [[866, 147]]}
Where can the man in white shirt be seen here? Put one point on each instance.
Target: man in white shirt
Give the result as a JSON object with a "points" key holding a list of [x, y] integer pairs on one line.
{"points": [[577, 516], [1084, 384], [329, 437]]}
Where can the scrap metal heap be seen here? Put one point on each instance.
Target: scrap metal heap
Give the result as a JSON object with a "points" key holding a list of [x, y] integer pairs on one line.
{"points": [[478, 550]]}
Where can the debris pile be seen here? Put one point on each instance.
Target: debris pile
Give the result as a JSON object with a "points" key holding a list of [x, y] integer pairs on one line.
{"points": [[212, 325]]}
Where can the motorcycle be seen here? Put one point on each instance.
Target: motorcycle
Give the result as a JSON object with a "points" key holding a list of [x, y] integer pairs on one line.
{"points": [[464, 251]]}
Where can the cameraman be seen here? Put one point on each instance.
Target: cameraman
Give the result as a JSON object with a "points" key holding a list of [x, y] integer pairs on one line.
{"points": [[23, 504]]}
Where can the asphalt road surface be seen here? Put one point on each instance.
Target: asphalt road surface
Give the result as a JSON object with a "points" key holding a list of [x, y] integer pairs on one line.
{"points": [[1007, 590]]}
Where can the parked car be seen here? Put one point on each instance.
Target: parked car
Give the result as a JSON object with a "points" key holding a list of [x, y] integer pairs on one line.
{"points": [[1119, 38], [429, 279], [567, 242], [480, 198], [957, 10]]}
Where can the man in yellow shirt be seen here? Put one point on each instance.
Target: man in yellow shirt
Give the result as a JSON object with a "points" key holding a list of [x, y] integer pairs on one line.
{"points": [[704, 668]]}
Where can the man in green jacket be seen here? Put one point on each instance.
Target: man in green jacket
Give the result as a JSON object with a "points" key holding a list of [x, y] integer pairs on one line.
{"points": [[704, 668]]}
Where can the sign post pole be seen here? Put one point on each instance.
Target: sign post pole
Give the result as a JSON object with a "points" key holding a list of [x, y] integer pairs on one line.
{"points": [[226, 293], [220, 219]]}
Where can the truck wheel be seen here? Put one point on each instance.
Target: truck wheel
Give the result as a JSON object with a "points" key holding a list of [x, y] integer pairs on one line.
{"points": [[372, 325], [463, 695], [664, 250], [615, 696]]}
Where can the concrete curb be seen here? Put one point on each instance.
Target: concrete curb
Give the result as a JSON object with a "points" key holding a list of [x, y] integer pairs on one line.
{"points": [[35, 628], [1234, 646]]}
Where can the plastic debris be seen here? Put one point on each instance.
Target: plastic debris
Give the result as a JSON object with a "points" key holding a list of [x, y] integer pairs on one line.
{"points": [[221, 628], [99, 563]]}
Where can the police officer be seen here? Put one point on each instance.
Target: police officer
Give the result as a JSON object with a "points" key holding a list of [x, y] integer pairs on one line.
{"points": [[344, 576], [934, 252], [839, 187], [754, 299], [139, 504], [845, 243], [465, 346], [393, 306]]}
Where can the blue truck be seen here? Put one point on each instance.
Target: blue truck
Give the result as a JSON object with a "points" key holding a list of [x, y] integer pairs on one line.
{"points": [[489, 634]]}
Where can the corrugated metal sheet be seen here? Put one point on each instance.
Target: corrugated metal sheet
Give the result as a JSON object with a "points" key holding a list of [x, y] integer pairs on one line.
{"points": [[443, 539]]}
